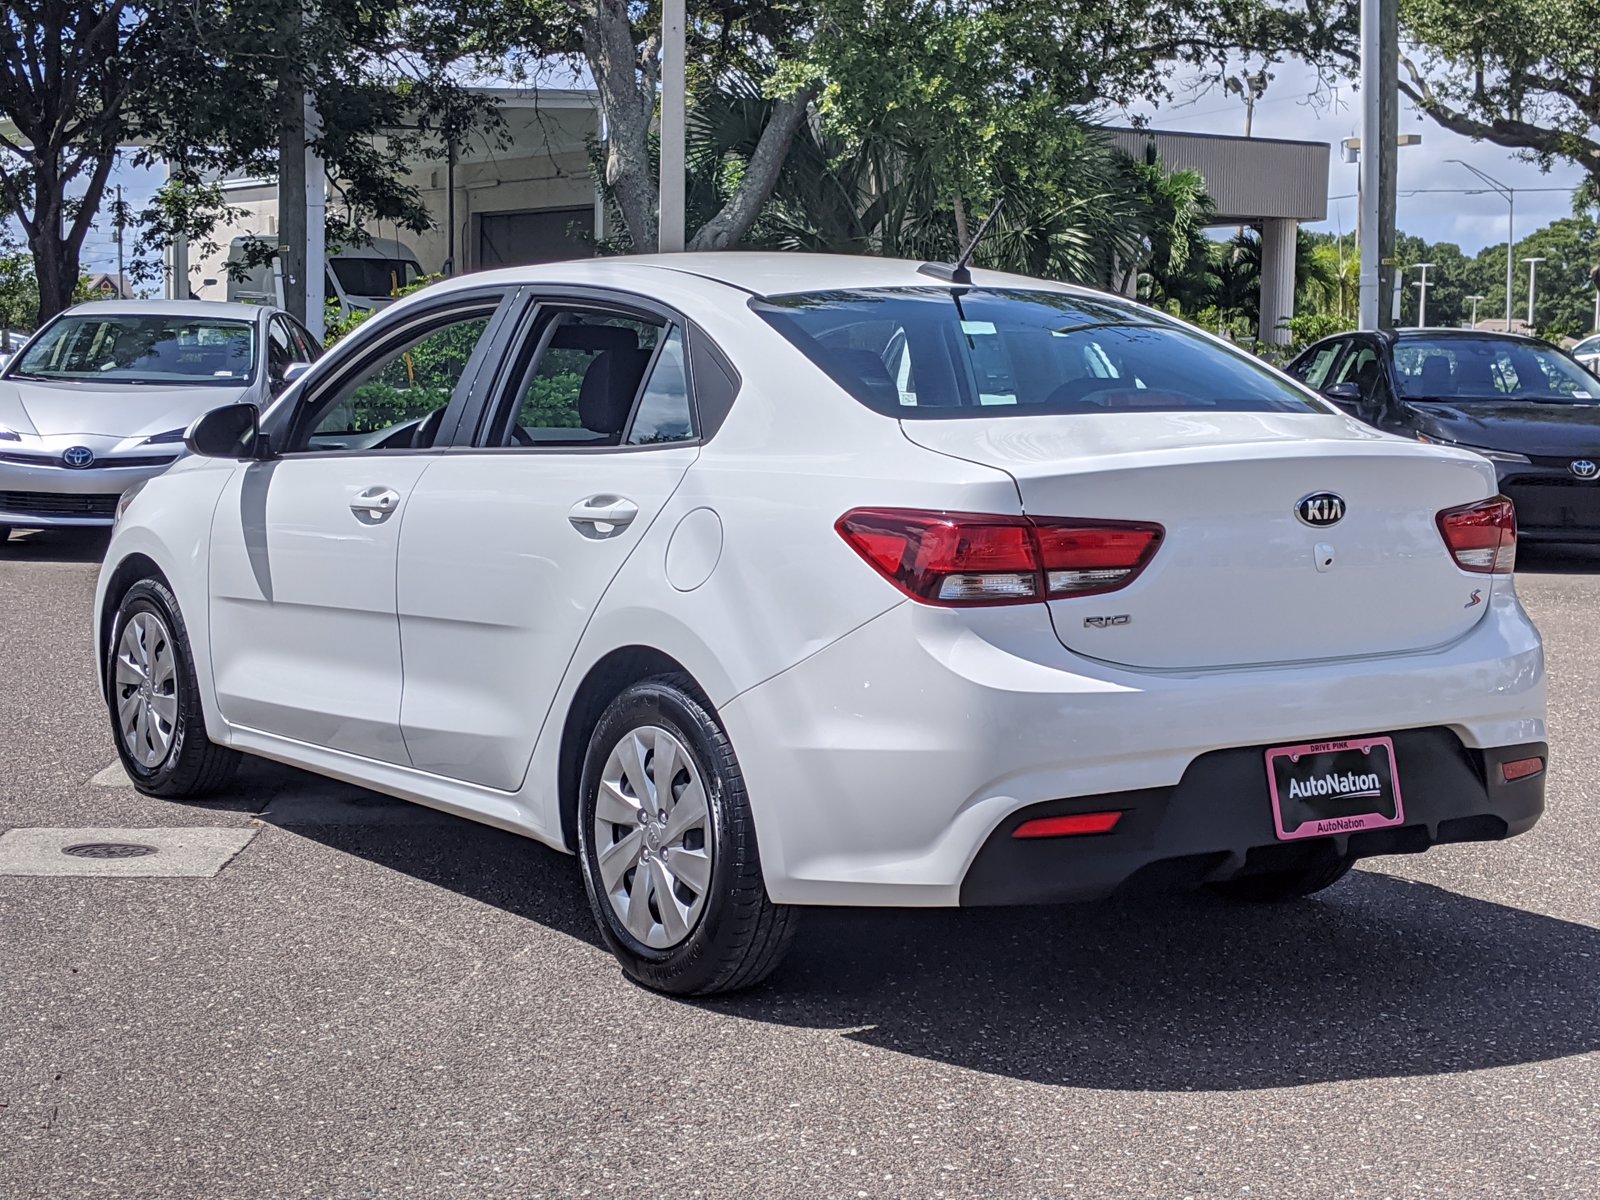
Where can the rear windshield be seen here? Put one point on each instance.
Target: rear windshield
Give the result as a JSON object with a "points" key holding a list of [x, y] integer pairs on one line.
{"points": [[950, 352]]}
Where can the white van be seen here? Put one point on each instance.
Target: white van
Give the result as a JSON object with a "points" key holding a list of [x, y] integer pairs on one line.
{"points": [[359, 278]]}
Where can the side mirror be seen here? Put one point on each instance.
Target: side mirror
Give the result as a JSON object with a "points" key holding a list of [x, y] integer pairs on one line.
{"points": [[1345, 395], [231, 431]]}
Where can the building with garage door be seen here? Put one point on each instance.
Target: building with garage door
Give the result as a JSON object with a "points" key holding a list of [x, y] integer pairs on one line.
{"points": [[521, 193], [524, 193]]}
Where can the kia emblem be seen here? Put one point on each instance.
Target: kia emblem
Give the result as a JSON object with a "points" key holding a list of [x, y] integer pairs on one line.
{"points": [[78, 457], [1320, 509], [1584, 468]]}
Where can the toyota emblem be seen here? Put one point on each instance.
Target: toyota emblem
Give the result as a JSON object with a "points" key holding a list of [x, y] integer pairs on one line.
{"points": [[1585, 468], [79, 457]]}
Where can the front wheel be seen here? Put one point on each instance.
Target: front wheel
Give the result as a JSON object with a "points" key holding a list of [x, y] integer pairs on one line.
{"points": [[1276, 886], [154, 700], [668, 847]]}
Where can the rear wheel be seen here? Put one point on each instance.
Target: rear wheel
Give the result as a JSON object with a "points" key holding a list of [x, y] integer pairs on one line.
{"points": [[154, 700], [1276, 886], [668, 847]]}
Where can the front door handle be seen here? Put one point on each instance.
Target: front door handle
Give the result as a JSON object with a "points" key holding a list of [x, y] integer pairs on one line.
{"points": [[375, 504], [603, 516]]}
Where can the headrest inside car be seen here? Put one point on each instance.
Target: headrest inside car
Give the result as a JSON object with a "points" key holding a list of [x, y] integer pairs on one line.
{"points": [[594, 337]]}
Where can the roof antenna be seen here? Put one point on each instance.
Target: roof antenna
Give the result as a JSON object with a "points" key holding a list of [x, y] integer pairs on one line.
{"points": [[957, 272]]}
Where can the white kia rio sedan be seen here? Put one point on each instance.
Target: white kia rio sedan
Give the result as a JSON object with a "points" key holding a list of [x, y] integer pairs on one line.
{"points": [[762, 581]]}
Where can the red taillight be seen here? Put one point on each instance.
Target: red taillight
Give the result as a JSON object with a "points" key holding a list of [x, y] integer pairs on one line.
{"points": [[1072, 825], [1482, 537], [1520, 768], [965, 559]]}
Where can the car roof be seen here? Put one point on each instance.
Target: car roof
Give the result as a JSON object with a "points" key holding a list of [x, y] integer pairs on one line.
{"points": [[1445, 333], [173, 308], [757, 273]]}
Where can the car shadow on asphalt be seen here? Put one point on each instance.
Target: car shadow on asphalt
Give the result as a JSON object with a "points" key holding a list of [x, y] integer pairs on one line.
{"points": [[1377, 977], [56, 546]]}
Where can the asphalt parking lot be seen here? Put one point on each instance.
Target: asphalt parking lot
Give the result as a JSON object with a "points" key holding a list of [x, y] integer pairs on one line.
{"points": [[373, 1000]]}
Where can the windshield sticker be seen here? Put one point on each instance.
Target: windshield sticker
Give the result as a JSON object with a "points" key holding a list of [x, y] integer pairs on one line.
{"points": [[981, 327]]}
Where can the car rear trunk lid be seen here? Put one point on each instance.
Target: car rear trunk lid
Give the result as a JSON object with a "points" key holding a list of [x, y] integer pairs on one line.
{"points": [[1241, 578]]}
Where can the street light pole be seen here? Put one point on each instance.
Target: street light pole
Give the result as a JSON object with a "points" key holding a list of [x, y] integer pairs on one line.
{"points": [[1422, 296], [1510, 195], [1475, 300], [1533, 265]]}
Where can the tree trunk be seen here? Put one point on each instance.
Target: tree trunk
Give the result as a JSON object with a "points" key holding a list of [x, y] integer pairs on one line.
{"points": [[740, 212], [628, 106]]}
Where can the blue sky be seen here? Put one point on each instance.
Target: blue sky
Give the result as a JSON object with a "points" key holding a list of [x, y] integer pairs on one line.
{"points": [[1292, 107]]}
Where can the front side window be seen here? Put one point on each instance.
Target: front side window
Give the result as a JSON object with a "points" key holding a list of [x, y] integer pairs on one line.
{"points": [[134, 349], [1467, 369], [1314, 371], [398, 400], [934, 352]]}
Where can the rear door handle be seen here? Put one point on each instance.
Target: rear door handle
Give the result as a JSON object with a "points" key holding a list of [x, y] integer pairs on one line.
{"points": [[603, 516], [375, 503]]}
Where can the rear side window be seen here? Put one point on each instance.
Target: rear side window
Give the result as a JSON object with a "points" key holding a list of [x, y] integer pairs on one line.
{"points": [[935, 352]]}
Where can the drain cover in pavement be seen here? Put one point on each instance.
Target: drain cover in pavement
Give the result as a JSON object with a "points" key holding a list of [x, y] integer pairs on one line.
{"points": [[123, 853], [108, 850]]}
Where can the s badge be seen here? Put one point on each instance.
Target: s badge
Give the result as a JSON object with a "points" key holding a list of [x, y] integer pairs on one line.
{"points": [[1475, 599]]}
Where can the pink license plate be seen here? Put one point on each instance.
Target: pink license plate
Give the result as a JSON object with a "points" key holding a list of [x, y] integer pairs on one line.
{"points": [[1325, 788]]}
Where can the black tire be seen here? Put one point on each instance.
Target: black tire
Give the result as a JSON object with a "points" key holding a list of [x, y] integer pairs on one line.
{"points": [[740, 936], [1277, 886], [194, 765]]}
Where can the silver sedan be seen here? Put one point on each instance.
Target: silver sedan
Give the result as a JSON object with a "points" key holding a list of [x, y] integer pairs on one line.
{"points": [[98, 399]]}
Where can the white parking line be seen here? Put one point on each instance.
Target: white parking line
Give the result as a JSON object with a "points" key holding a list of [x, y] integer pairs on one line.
{"points": [[121, 853]]}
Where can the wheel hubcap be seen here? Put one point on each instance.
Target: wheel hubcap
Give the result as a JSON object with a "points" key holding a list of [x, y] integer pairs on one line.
{"points": [[146, 689], [652, 836]]}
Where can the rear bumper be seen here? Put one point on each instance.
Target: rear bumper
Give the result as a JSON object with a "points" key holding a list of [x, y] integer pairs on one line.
{"points": [[1216, 824], [879, 767]]}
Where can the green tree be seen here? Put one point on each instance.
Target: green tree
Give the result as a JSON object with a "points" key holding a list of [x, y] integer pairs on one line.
{"points": [[210, 89]]}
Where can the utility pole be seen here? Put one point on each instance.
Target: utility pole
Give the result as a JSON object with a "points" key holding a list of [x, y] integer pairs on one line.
{"points": [[1475, 300], [674, 89], [1378, 143], [1422, 296], [1388, 169], [121, 269], [292, 216], [1370, 162], [1533, 265]]}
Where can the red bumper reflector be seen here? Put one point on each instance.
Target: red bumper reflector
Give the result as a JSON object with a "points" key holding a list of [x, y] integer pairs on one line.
{"points": [[1521, 768], [1072, 825]]}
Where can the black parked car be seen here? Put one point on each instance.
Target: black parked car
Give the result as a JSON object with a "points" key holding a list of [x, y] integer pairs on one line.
{"points": [[1528, 407]]}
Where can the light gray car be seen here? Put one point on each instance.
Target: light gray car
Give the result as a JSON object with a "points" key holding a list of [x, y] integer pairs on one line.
{"points": [[99, 398]]}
